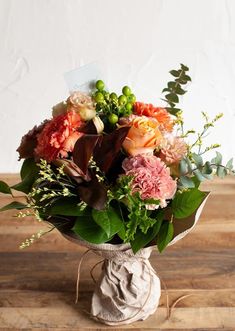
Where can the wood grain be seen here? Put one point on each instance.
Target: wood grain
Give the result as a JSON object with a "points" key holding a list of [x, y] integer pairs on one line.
{"points": [[37, 285]]}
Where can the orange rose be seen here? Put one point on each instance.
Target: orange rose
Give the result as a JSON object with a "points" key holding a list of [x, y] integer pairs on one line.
{"points": [[143, 137], [159, 113]]}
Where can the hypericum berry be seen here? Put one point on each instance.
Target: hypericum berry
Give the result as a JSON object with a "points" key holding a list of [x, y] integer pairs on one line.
{"points": [[99, 97], [126, 90], [99, 85], [113, 119], [132, 98], [129, 106], [113, 96], [122, 100]]}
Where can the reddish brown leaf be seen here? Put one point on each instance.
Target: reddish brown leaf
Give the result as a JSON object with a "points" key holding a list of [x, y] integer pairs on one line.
{"points": [[108, 148], [83, 150], [93, 193]]}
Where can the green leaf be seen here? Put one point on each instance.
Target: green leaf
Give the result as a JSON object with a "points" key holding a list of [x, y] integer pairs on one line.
{"points": [[197, 159], [196, 181], [172, 97], [171, 85], [190, 166], [183, 167], [5, 188], [181, 81], [109, 220], [207, 169], [201, 177], [184, 67], [29, 173], [165, 235], [166, 90], [187, 182], [172, 110], [14, 205], [179, 90], [218, 159], [229, 164], [175, 73], [67, 207], [151, 201], [27, 167], [184, 204], [141, 239], [221, 172], [89, 230], [187, 78]]}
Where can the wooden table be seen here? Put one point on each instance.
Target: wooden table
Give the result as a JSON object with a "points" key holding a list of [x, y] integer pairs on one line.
{"points": [[37, 285]]}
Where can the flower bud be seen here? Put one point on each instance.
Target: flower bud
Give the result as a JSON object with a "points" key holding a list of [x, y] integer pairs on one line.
{"points": [[87, 113], [98, 124]]}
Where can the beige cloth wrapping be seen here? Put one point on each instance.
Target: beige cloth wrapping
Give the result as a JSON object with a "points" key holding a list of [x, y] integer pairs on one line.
{"points": [[128, 289]]}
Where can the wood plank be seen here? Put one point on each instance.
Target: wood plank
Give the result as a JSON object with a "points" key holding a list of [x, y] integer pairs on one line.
{"points": [[72, 318], [192, 269], [38, 299]]}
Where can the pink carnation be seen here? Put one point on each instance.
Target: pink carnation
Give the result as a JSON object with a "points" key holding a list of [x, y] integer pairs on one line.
{"points": [[151, 178], [173, 149]]}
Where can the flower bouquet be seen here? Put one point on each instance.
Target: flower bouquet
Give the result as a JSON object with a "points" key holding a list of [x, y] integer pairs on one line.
{"points": [[119, 177]]}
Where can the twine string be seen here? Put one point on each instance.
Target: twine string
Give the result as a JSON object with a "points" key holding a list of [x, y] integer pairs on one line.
{"points": [[168, 307]]}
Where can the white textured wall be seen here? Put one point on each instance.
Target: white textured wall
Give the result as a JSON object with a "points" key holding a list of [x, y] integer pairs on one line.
{"points": [[138, 42]]}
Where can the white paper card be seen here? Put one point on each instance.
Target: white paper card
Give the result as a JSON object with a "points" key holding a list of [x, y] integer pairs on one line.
{"points": [[83, 78]]}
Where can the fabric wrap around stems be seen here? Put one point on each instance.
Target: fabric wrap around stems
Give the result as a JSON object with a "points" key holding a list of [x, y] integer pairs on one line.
{"points": [[128, 288]]}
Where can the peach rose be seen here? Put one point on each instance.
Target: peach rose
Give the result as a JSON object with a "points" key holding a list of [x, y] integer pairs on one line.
{"points": [[143, 137], [79, 103]]}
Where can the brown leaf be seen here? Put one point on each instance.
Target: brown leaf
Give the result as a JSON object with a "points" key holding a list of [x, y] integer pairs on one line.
{"points": [[83, 150], [93, 193], [108, 148]]}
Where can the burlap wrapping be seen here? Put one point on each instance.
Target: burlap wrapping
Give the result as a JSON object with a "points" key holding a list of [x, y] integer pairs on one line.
{"points": [[128, 288]]}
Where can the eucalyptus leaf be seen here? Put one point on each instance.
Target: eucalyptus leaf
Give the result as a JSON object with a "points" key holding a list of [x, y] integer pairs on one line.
{"points": [[218, 159], [197, 159], [187, 182], [183, 167], [221, 172], [229, 164], [201, 177]]}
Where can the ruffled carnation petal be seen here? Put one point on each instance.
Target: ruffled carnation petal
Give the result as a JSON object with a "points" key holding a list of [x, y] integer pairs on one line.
{"points": [[151, 178]]}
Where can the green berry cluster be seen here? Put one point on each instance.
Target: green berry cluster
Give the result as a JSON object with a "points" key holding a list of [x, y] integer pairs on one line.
{"points": [[112, 106]]}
